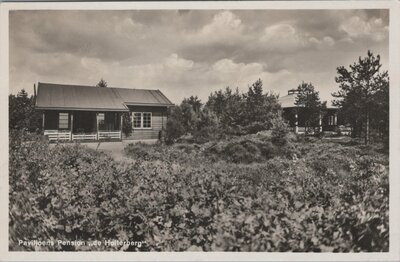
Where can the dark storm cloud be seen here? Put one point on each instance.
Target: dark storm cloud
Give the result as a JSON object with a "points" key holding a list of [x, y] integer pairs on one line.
{"points": [[185, 52]]}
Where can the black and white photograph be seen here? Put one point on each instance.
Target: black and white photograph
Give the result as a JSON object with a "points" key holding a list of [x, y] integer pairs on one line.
{"points": [[199, 130]]}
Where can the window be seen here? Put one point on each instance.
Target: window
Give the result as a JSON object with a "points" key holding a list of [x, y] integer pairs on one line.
{"points": [[137, 120], [141, 120], [100, 119], [63, 120], [330, 121], [146, 120]]}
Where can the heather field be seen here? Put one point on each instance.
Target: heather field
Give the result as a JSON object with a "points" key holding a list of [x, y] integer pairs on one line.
{"points": [[240, 193]]}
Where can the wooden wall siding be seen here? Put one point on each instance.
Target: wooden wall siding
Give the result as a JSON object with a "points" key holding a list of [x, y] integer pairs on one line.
{"points": [[51, 119], [159, 121], [142, 134], [153, 109]]}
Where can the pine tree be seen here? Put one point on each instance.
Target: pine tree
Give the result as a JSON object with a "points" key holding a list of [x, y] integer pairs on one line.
{"points": [[363, 94], [308, 98], [102, 83]]}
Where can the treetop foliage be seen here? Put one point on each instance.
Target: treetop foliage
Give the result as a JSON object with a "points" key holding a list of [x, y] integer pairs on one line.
{"points": [[227, 112], [363, 96], [21, 112], [102, 83], [308, 98]]}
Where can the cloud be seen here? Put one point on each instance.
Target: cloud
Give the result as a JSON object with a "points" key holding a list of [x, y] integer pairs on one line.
{"points": [[192, 52], [325, 42], [242, 75], [129, 28], [233, 73], [283, 37], [357, 27], [286, 38], [174, 62], [224, 28]]}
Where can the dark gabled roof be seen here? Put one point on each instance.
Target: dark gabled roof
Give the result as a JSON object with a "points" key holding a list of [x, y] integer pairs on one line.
{"points": [[78, 97], [143, 97]]}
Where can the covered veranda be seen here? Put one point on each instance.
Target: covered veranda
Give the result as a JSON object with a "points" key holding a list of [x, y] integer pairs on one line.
{"points": [[82, 125], [72, 113], [298, 117]]}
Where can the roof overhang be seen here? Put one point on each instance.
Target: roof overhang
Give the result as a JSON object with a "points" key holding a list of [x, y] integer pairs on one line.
{"points": [[148, 104], [83, 109], [301, 106]]}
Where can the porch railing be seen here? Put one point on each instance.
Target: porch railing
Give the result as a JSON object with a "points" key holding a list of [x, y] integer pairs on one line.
{"points": [[92, 136], [67, 135], [300, 129], [58, 135], [109, 134]]}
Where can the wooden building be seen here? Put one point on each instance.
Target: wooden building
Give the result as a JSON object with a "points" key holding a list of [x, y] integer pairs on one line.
{"points": [[296, 116], [74, 112]]}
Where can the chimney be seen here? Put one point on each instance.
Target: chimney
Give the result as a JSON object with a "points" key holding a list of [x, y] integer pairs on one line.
{"points": [[34, 94], [293, 91]]}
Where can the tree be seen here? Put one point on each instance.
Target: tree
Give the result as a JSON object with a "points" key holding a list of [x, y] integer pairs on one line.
{"points": [[127, 123], [22, 113], [175, 127], [244, 113], [233, 111], [102, 83], [254, 101], [189, 116], [226, 112], [228, 107], [217, 102], [260, 108], [195, 102], [364, 94], [207, 127], [308, 98]]}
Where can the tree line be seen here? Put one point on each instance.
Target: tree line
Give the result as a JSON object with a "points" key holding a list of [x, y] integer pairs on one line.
{"points": [[226, 112], [362, 101]]}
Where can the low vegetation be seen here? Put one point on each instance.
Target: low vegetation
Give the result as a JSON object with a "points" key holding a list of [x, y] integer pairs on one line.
{"points": [[230, 195]]}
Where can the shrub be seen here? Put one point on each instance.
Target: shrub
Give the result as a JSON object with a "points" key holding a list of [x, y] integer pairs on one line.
{"points": [[280, 132], [335, 198], [248, 149], [62, 192], [175, 127], [207, 127], [127, 123]]}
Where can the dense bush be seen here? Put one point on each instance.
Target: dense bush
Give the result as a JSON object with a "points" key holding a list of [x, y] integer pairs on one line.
{"points": [[175, 128], [62, 192], [251, 148], [226, 113], [127, 123], [22, 113], [333, 198]]}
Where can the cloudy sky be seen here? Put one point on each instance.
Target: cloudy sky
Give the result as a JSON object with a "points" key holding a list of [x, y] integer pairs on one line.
{"points": [[192, 52]]}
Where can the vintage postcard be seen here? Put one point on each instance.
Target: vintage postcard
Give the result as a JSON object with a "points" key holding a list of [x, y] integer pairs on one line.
{"points": [[200, 131]]}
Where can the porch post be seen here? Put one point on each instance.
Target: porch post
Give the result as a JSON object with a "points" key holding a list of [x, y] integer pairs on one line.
{"points": [[120, 136], [43, 116], [97, 126], [162, 120], [320, 122], [72, 124], [335, 120], [296, 123]]}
